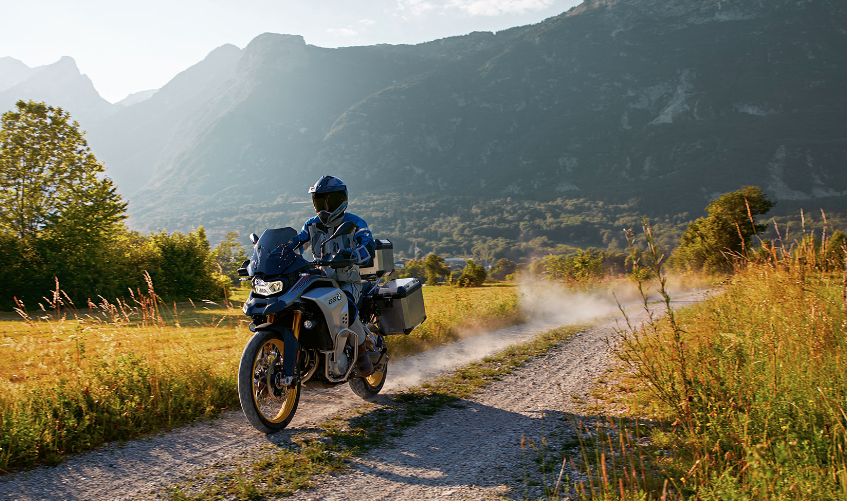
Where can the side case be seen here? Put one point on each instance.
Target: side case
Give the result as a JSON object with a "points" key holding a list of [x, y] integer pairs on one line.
{"points": [[401, 306]]}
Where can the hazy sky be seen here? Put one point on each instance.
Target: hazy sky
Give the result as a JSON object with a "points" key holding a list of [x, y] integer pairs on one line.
{"points": [[128, 46]]}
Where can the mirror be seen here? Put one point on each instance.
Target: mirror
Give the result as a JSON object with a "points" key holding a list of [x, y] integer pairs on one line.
{"points": [[254, 238]]}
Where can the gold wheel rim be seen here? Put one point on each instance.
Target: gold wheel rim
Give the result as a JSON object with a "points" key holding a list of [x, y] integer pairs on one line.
{"points": [[376, 378], [274, 409]]}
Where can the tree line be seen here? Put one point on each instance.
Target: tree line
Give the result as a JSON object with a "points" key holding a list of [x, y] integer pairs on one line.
{"points": [[712, 245], [62, 225], [62, 229]]}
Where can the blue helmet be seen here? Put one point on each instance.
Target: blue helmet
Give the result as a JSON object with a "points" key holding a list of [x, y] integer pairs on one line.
{"points": [[329, 196]]}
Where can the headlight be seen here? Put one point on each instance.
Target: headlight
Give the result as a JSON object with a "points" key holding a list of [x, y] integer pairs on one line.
{"points": [[267, 288]]}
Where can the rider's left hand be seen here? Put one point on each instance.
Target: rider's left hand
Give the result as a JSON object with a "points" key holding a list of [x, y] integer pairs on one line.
{"points": [[347, 254]]}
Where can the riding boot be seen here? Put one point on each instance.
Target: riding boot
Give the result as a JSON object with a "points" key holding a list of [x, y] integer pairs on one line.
{"points": [[363, 363]]}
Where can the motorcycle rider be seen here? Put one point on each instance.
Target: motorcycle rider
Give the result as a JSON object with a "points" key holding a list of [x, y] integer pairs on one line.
{"points": [[329, 196]]}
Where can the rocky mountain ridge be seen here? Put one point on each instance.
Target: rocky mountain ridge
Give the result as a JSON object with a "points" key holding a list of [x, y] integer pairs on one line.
{"points": [[133, 142], [58, 84]]}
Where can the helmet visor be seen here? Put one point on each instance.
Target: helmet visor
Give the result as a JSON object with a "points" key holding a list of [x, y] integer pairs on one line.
{"points": [[328, 201]]}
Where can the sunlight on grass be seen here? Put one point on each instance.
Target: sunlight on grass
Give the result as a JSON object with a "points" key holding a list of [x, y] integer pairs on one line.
{"points": [[456, 312], [73, 378], [752, 384]]}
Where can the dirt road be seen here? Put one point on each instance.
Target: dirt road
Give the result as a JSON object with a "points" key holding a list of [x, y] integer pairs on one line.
{"points": [[465, 453]]}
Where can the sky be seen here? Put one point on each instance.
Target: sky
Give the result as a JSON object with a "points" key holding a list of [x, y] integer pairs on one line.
{"points": [[129, 46]]}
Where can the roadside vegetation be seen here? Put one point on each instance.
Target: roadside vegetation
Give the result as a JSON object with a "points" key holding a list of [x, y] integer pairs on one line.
{"points": [[743, 396], [72, 379], [751, 384], [62, 220]]}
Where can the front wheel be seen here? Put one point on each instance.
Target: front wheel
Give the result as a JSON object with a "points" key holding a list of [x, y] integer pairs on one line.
{"points": [[369, 387], [268, 405]]}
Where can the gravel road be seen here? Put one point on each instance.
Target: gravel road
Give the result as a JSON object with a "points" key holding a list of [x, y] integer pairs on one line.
{"points": [[472, 452]]}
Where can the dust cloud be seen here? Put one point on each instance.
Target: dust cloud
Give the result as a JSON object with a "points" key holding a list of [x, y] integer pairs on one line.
{"points": [[546, 305]]}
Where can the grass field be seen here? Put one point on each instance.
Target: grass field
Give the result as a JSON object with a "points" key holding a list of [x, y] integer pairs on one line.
{"points": [[756, 382], [71, 378], [751, 387]]}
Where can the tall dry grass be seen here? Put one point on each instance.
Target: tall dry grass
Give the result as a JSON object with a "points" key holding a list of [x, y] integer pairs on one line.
{"points": [[754, 381], [749, 389], [73, 378]]}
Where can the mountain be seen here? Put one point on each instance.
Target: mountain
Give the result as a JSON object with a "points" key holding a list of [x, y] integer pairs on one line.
{"points": [[668, 101], [12, 72], [58, 84], [137, 138], [137, 97]]}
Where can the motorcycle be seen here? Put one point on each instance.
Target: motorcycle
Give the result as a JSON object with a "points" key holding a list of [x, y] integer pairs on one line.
{"points": [[301, 323]]}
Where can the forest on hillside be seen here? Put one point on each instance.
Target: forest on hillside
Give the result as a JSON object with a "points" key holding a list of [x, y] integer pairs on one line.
{"points": [[465, 226], [63, 227]]}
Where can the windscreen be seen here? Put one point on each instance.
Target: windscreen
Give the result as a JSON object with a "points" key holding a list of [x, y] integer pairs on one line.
{"points": [[267, 258]]}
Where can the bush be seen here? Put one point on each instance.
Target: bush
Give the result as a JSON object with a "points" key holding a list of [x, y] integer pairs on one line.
{"points": [[472, 276], [709, 242], [581, 266], [502, 268], [186, 268]]}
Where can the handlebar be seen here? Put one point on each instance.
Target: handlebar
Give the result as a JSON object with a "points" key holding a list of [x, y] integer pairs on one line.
{"points": [[335, 261]]}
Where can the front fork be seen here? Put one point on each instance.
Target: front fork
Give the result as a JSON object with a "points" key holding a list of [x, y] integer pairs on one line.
{"points": [[290, 348]]}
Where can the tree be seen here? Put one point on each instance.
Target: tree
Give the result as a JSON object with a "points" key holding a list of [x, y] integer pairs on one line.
{"points": [[229, 254], [186, 268], [727, 230], [473, 275], [62, 213], [502, 268], [435, 268], [581, 266], [48, 176]]}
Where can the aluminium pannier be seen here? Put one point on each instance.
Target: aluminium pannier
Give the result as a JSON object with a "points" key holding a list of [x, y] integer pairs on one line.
{"points": [[401, 306]]}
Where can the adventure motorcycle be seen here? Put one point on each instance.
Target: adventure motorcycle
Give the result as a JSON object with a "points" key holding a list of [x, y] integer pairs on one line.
{"points": [[301, 324]]}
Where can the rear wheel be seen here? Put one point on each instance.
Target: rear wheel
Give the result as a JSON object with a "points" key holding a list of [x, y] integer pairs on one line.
{"points": [[268, 405], [369, 387]]}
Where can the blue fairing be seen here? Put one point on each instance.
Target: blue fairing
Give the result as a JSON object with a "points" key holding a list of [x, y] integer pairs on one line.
{"points": [[268, 257]]}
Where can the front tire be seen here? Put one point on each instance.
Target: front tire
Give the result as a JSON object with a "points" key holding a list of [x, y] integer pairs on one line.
{"points": [[369, 387], [268, 406]]}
